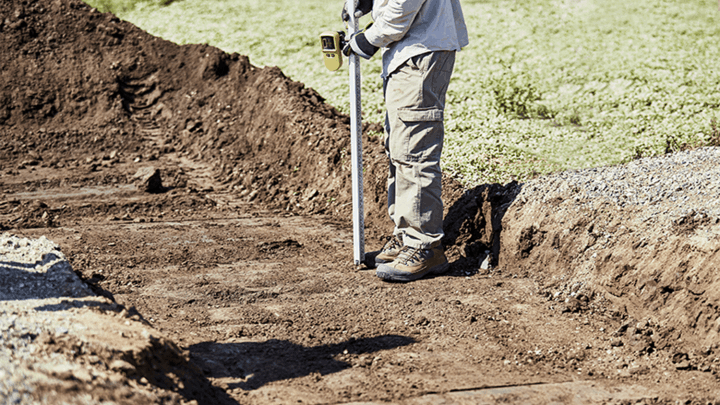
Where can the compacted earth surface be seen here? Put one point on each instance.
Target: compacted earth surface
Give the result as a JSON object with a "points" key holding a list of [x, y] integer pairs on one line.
{"points": [[191, 213]]}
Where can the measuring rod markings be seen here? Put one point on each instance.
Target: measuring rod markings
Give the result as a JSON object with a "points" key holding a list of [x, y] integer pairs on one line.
{"points": [[356, 143]]}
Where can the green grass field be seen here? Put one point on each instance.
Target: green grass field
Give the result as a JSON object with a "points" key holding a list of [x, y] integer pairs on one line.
{"points": [[543, 86]]}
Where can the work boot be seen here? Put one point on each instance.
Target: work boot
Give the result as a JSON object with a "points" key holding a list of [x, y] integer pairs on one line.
{"points": [[387, 254], [413, 263]]}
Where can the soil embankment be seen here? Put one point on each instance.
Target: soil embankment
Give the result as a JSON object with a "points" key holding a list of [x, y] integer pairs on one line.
{"points": [[78, 84], [644, 235], [83, 89]]}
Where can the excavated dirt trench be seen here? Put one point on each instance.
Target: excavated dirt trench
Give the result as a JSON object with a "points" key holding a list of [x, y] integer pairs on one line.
{"points": [[243, 257]]}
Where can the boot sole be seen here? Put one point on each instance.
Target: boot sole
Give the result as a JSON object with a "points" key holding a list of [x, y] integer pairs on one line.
{"points": [[390, 275]]}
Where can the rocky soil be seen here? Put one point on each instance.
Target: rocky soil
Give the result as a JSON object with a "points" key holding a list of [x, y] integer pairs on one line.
{"points": [[643, 235], [176, 229]]}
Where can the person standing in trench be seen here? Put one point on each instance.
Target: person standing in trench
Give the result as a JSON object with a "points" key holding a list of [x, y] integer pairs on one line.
{"points": [[419, 39]]}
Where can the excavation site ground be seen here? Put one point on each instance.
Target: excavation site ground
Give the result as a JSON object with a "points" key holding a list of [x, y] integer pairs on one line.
{"points": [[205, 203]]}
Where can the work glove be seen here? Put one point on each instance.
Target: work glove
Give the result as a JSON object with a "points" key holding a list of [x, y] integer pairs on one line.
{"points": [[359, 45], [363, 7]]}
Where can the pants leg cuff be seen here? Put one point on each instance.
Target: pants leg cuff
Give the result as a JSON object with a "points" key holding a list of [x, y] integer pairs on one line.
{"points": [[420, 245]]}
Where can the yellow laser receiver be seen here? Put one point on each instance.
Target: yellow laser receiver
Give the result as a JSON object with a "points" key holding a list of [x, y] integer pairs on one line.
{"points": [[332, 43]]}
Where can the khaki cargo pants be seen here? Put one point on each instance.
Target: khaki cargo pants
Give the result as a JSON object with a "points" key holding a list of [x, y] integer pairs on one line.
{"points": [[414, 132]]}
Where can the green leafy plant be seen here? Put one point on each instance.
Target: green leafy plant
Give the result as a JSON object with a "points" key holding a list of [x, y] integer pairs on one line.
{"points": [[514, 93], [122, 6], [714, 139]]}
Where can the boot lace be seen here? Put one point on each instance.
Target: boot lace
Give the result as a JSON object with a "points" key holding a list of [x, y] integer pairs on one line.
{"points": [[393, 243], [410, 254]]}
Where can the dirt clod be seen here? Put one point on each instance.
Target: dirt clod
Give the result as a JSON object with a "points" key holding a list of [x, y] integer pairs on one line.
{"points": [[148, 179]]}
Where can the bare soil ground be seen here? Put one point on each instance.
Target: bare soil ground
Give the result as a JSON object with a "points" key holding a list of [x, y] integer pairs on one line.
{"points": [[243, 257]]}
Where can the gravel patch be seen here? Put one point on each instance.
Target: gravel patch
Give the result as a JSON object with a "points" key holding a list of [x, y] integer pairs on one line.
{"points": [[35, 282], [36, 269], [664, 189], [60, 343]]}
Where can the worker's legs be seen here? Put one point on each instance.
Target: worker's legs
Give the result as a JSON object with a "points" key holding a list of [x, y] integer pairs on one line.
{"points": [[415, 100]]}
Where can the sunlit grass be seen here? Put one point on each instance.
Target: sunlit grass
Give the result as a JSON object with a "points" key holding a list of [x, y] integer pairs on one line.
{"points": [[543, 85]]}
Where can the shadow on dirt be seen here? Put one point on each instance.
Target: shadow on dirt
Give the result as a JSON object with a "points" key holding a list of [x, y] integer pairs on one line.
{"points": [[473, 225], [26, 281], [94, 284], [47, 258], [64, 305], [259, 363]]}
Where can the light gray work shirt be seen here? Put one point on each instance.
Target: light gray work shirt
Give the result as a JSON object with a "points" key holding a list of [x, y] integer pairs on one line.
{"points": [[407, 28]]}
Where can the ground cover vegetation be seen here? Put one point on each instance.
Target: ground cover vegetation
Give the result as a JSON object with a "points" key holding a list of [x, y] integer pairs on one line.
{"points": [[543, 86]]}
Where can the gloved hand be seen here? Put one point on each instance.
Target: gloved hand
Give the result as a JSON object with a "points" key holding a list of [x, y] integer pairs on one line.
{"points": [[363, 7], [359, 45]]}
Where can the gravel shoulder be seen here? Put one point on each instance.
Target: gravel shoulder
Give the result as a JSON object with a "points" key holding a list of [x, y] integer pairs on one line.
{"points": [[61, 343]]}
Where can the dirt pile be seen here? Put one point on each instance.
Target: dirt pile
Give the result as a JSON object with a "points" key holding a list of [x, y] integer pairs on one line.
{"points": [[84, 89], [76, 82], [644, 236]]}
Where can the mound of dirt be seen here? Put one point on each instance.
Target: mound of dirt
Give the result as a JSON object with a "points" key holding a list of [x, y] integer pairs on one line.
{"points": [[82, 87], [65, 340], [644, 236], [77, 82]]}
